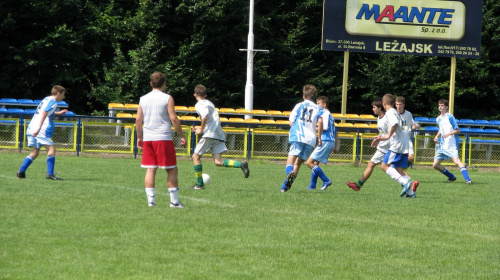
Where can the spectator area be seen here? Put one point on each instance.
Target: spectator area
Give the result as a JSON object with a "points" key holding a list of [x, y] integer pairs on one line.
{"points": [[16, 107]]}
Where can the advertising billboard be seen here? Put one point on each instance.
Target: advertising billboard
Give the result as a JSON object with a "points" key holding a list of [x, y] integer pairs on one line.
{"points": [[414, 27]]}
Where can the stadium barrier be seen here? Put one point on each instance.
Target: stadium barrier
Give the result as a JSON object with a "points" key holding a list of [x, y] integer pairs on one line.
{"points": [[244, 140]]}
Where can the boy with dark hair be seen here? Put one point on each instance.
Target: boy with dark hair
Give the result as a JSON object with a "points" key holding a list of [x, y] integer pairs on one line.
{"points": [[447, 137], [155, 117]]}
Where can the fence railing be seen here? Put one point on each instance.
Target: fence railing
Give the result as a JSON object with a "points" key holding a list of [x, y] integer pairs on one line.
{"points": [[85, 134]]}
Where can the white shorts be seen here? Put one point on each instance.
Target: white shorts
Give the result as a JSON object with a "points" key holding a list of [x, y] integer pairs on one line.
{"points": [[215, 145], [446, 154], [378, 157], [39, 142], [321, 153], [301, 150]]}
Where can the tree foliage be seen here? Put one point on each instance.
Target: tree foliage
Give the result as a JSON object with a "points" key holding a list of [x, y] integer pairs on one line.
{"points": [[103, 51]]}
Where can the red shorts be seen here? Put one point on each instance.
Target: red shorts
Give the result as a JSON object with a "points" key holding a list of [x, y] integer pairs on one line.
{"points": [[158, 154]]}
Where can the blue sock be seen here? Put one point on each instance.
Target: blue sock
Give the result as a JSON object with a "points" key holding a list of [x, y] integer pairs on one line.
{"points": [[314, 179], [448, 174], [51, 161], [316, 169], [26, 163], [288, 169], [465, 173]]}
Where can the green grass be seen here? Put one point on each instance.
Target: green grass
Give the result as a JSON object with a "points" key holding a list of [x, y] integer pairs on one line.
{"points": [[96, 224]]}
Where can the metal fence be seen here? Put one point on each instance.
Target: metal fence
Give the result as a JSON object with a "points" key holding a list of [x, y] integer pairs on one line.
{"points": [[83, 134]]}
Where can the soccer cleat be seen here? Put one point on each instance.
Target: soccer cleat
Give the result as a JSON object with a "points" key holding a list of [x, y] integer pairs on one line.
{"points": [[289, 181], [451, 180], [411, 196], [353, 186], [244, 167], [197, 187], [414, 185], [176, 205], [52, 177], [406, 187], [326, 185], [311, 188], [469, 182], [21, 175]]}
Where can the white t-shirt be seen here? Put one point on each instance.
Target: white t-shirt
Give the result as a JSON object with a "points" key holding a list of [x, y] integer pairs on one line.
{"points": [[157, 124], [213, 128], [408, 122], [383, 129], [399, 140]]}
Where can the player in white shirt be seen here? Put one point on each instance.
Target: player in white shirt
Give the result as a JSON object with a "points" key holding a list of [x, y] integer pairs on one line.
{"points": [[447, 137], [302, 137], [40, 130], [397, 156], [329, 140], [382, 146], [155, 117], [213, 138]]}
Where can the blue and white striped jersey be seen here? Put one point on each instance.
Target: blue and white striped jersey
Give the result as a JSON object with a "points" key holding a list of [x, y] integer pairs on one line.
{"points": [[304, 118], [329, 129], [49, 105], [447, 124]]}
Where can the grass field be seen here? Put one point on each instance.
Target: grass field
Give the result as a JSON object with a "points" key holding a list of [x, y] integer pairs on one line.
{"points": [[96, 224]]}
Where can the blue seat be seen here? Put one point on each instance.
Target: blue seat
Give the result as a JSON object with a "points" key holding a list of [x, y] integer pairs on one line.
{"points": [[476, 130], [69, 114], [491, 130], [464, 130], [482, 122], [15, 111], [62, 103], [37, 101], [431, 128], [421, 119], [8, 100], [25, 102], [465, 121], [432, 120], [3, 111], [29, 111], [495, 122]]}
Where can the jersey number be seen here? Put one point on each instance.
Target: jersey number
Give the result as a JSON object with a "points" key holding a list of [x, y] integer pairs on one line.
{"points": [[304, 112]]}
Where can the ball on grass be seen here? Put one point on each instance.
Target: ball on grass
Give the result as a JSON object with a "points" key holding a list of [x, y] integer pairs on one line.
{"points": [[206, 178]]}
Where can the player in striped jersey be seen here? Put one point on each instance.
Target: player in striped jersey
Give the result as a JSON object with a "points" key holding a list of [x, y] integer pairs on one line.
{"points": [[447, 137], [302, 137], [329, 140], [40, 131]]}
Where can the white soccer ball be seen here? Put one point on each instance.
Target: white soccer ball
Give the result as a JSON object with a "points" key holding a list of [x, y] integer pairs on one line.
{"points": [[206, 178]]}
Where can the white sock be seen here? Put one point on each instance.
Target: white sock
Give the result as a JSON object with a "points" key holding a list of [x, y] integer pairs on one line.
{"points": [[150, 192], [391, 171], [174, 195]]}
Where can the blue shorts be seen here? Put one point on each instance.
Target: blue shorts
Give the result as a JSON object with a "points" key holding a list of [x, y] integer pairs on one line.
{"points": [[39, 142], [446, 154], [397, 160], [301, 150], [321, 153]]}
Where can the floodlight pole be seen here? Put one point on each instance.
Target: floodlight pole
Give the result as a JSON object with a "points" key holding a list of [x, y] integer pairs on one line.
{"points": [[250, 54]]}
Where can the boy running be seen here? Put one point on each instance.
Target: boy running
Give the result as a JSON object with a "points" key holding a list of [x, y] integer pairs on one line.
{"points": [[213, 138], [329, 140], [303, 120]]}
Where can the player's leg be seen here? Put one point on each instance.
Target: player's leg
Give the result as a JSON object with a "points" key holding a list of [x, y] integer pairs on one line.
{"points": [[439, 167], [377, 158], [35, 151], [149, 186], [51, 162], [463, 169], [393, 164], [321, 154], [173, 190], [314, 177], [290, 162], [201, 148]]}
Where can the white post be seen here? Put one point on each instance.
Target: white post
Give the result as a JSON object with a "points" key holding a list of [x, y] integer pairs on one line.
{"points": [[250, 54]]}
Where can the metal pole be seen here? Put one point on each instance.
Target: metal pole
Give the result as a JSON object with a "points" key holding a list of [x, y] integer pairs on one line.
{"points": [[345, 84], [250, 54], [451, 102]]}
